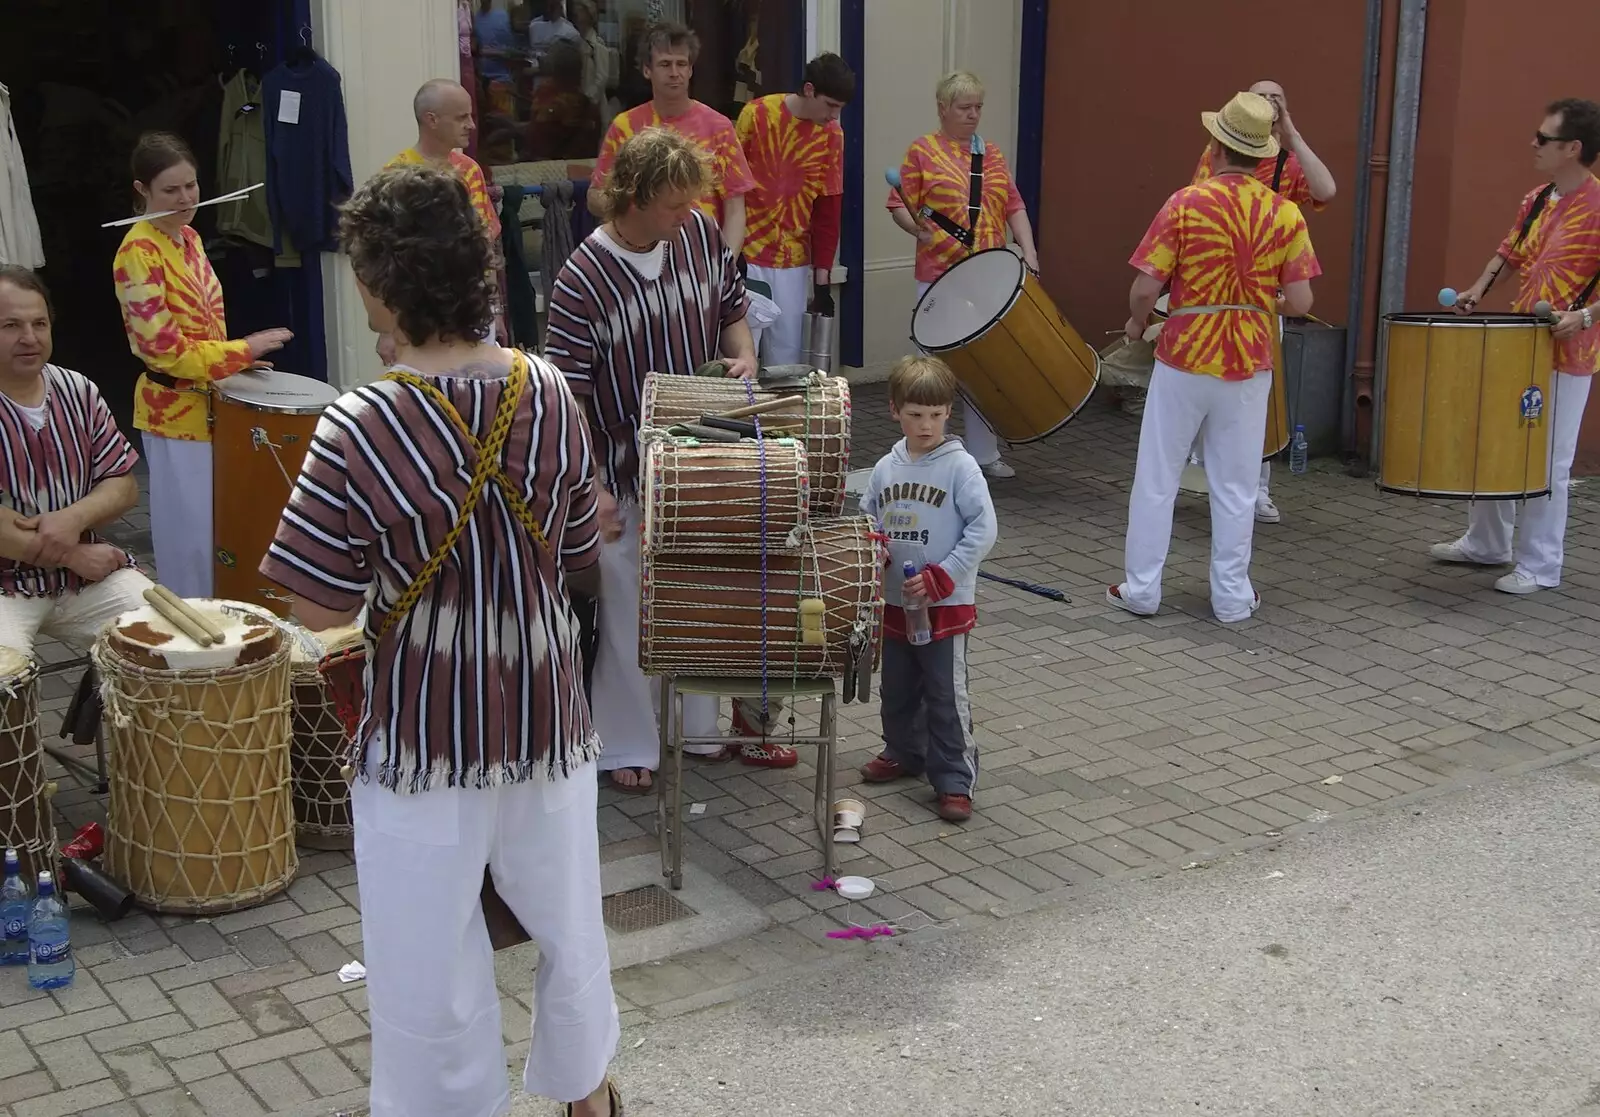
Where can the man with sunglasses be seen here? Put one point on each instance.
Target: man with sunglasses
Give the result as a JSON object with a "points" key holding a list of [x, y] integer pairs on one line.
{"points": [[1555, 245]]}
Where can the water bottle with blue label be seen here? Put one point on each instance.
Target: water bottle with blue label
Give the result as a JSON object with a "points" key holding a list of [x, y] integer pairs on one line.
{"points": [[1298, 450], [16, 904], [918, 629], [50, 962]]}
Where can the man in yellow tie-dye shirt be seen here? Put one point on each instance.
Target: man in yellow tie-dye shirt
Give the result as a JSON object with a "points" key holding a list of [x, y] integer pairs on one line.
{"points": [[1227, 246], [668, 55], [795, 149]]}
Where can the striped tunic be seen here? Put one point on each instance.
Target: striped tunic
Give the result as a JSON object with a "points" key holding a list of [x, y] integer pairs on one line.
{"points": [[481, 683], [609, 325], [45, 469]]}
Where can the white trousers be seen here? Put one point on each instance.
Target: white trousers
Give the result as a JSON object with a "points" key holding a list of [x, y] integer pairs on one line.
{"points": [[1263, 494], [976, 433], [625, 703], [76, 619], [1232, 414], [436, 1038], [180, 513], [790, 290], [1541, 545]]}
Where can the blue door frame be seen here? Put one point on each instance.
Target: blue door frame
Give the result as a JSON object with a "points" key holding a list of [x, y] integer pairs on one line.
{"points": [[1030, 106], [852, 233]]}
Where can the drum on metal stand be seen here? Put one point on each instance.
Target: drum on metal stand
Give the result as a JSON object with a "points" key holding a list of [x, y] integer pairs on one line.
{"points": [[1018, 360], [1465, 405], [261, 427]]}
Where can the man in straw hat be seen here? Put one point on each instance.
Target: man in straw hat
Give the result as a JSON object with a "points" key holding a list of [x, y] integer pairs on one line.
{"points": [[1227, 246], [1297, 173], [654, 289]]}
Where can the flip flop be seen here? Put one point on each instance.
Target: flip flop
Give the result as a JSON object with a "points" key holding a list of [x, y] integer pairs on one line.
{"points": [[636, 789], [615, 1097]]}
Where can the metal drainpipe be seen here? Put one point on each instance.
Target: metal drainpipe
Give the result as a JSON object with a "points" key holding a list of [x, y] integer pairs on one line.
{"points": [[1402, 168], [1363, 215]]}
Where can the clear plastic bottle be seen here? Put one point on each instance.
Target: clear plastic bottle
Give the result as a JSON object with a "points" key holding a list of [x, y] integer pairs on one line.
{"points": [[918, 630], [50, 961], [16, 905], [1298, 450]]}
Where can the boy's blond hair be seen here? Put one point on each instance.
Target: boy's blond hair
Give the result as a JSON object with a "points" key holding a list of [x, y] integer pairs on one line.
{"points": [[922, 380]]}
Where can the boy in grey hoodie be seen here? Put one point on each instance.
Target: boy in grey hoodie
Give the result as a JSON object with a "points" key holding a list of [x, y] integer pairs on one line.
{"points": [[931, 500]]}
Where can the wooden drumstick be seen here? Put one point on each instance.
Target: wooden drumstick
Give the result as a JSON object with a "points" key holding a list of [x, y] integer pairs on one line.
{"points": [[761, 408], [202, 621], [177, 619]]}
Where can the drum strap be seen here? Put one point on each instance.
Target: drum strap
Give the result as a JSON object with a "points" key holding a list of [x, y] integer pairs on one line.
{"points": [[1277, 172], [487, 468], [974, 202], [1583, 299]]}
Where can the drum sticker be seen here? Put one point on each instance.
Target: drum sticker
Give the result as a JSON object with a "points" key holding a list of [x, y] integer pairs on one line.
{"points": [[226, 558], [1532, 406]]}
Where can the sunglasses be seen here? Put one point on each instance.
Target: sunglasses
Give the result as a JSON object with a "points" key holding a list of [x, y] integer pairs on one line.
{"points": [[1541, 139]]}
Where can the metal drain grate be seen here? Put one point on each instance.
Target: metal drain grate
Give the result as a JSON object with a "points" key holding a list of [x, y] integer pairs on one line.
{"points": [[641, 909]]}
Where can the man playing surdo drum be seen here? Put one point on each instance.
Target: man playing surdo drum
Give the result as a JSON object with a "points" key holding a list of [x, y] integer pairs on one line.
{"points": [[1296, 173], [1227, 246], [1555, 245]]}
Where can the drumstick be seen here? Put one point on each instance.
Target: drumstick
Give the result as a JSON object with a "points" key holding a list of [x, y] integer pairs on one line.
{"points": [[182, 623], [761, 408], [209, 626], [234, 196]]}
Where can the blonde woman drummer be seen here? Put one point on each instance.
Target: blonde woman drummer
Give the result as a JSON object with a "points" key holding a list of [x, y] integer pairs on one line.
{"points": [[172, 311], [959, 213]]}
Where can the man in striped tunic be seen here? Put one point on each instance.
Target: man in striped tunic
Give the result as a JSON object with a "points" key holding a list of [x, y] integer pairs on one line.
{"points": [[654, 289], [65, 469], [475, 748]]}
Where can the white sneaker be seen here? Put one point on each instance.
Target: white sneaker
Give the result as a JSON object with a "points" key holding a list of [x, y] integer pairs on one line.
{"points": [[1453, 552], [999, 470], [1115, 599], [1517, 582], [1254, 605], [1266, 511]]}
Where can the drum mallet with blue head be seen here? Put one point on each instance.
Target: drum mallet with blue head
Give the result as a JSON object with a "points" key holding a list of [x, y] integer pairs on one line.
{"points": [[1447, 296], [892, 177]]}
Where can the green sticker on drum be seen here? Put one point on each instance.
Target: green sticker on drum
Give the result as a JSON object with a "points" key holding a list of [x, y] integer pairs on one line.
{"points": [[226, 558]]}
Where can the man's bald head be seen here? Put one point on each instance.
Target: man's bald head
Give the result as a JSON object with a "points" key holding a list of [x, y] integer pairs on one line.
{"points": [[441, 97]]}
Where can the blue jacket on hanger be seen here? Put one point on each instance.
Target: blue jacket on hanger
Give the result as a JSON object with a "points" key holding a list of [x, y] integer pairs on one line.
{"points": [[308, 153]]}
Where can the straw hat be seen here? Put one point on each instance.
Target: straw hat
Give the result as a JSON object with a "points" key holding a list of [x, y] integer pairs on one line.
{"points": [[1244, 125]]}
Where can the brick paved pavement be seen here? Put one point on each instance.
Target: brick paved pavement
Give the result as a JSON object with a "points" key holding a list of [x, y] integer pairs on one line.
{"points": [[1110, 744]]}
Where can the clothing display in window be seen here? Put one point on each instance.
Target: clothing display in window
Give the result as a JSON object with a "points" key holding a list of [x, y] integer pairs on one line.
{"points": [[20, 242], [242, 161], [308, 152]]}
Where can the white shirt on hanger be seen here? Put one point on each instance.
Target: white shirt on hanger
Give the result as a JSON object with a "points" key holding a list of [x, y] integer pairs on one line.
{"points": [[20, 242]]}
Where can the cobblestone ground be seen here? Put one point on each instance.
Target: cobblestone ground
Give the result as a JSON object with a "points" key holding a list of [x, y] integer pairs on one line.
{"points": [[1110, 744]]}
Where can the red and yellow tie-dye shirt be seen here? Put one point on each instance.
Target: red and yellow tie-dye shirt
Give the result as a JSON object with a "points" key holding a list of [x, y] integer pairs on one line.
{"points": [[1230, 241], [1558, 258], [937, 172], [471, 176], [1292, 184], [793, 162], [730, 173], [172, 312]]}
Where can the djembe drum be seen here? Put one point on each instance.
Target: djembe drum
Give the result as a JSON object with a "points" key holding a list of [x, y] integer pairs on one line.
{"points": [[318, 753], [200, 819], [27, 823]]}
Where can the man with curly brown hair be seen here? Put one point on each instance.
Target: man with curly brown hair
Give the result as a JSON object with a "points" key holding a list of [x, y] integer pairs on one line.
{"points": [[453, 501], [654, 289]]}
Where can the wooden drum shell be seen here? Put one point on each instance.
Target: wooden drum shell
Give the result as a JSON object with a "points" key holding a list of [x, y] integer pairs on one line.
{"points": [[707, 497]]}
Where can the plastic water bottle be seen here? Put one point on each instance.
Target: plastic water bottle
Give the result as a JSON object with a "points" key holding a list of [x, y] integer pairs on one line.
{"points": [[16, 904], [50, 962], [918, 630], [1298, 451]]}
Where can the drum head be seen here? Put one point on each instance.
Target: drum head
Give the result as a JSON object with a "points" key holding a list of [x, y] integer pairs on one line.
{"points": [[13, 665], [284, 393], [964, 302]]}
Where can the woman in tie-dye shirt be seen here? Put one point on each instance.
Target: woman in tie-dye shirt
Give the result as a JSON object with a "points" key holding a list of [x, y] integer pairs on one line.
{"points": [[937, 173], [172, 311]]}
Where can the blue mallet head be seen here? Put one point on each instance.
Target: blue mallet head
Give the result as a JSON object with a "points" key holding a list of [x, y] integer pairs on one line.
{"points": [[892, 175], [1447, 296]]}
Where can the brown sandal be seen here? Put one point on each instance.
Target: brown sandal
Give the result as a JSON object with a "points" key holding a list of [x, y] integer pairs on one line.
{"points": [[633, 789], [614, 1096]]}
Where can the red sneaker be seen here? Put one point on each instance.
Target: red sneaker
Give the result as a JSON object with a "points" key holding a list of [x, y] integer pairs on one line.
{"points": [[881, 769], [766, 754], [955, 808]]}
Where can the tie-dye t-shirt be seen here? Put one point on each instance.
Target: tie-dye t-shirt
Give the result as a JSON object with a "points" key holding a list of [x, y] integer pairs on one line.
{"points": [[730, 174], [172, 311], [794, 162], [1230, 241], [1292, 184], [937, 172], [471, 176], [1558, 258]]}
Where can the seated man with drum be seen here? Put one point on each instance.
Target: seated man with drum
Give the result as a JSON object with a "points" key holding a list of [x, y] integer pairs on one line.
{"points": [[454, 499], [1227, 246], [1555, 244], [654, 289], [65, 470]]}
